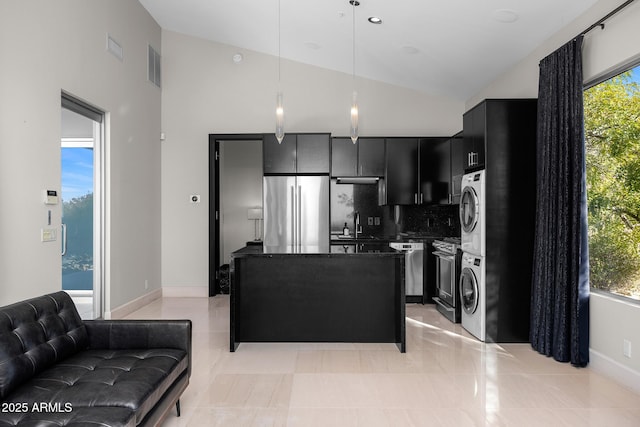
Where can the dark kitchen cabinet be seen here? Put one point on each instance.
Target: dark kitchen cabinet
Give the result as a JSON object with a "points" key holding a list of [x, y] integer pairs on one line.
{"points": [[279, 158], [435, 171], [365, 158], [313, 153], [474, 126], [344, 157], [509, 139], [401, 167], [370, 156], [457, 166], [298, 153]]}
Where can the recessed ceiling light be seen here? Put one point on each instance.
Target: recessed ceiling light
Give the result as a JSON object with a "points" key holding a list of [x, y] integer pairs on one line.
{"points": [[506, 16], [375, 20], [237, 58]]}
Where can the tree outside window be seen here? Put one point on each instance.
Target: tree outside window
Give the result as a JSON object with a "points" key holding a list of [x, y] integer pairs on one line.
{"points": [[612, 137]]}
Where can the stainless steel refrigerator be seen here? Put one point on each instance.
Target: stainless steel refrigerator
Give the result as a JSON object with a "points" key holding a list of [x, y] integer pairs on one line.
{"points": [[296, 214]]}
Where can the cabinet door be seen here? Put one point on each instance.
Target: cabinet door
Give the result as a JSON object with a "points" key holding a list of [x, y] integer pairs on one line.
{"points": [[473, 123], [457, 167], [313, 153], [401, 178], [344, 156], [370, 156], [279, 158], [435, 170]]}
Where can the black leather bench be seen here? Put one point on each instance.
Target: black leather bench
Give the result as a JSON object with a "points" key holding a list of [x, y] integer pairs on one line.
{"points": [[58, 370]]}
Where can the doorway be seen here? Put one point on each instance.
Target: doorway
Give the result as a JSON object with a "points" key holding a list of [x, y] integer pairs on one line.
{"points": [[81, 254], [235, 186]]}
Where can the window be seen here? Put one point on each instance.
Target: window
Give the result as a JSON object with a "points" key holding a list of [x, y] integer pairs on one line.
{"points": [[612, 136]]}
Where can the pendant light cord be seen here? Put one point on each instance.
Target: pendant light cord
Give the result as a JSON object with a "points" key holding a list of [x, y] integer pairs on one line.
{"points": [[354, 4], [279, 37]]}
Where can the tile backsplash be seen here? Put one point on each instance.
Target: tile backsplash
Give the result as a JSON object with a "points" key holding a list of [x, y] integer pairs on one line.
{"points": [[439, 220], [346, 199]]}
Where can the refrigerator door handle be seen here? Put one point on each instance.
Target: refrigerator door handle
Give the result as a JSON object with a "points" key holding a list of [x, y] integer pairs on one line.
{"points": [[300, 216], [293, 216]]}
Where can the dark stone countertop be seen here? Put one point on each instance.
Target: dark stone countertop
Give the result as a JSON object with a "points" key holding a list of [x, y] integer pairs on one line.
{"points": [[338, 249]]}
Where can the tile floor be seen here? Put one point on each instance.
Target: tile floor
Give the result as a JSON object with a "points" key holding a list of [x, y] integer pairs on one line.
{"points": [[446, 378]]}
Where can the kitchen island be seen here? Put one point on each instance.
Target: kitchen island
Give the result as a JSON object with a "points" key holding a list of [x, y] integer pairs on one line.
{"points": [[305, 296]]}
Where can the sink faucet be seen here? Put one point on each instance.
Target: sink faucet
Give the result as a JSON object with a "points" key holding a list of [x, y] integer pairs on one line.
{"points": [[357, 226]]}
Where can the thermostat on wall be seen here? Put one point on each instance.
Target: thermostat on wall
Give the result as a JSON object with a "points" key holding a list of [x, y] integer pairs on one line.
{"points": [[50, 197]]}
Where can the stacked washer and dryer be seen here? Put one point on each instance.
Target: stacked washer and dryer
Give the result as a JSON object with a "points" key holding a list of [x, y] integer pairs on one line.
{"points": [[497, 216], [473, 242]]}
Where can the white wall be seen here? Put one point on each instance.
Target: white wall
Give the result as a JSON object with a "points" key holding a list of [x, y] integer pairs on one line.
{"points": [[205, 92], [612, 320], [241, 188], [47, 47]]}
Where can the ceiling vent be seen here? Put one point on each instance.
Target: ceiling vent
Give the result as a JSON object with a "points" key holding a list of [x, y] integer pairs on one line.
{"points": [[114, 47], [154, 66]]}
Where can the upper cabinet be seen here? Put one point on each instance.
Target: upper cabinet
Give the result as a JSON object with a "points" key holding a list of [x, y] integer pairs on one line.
{"points": [[297, 154], [365, 158], [473, 133], [435, 171], [313, 153], [370, 156], [458, 159], [402, 178], [279, 158]]}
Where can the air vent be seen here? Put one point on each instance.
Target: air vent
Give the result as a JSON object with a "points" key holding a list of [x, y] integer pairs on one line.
{"points": [[154, 66], [115, 48]]}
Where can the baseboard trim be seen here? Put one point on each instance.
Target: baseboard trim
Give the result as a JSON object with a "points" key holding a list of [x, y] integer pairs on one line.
{"points": [[185, 292], [136, 304], [615, 370]]}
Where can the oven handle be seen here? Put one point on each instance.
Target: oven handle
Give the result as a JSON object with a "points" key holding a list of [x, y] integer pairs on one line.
{"points": [[444, 255], [441, 304]]}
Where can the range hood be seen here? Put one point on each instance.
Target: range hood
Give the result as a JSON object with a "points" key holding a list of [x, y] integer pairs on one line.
{"points": [[357, 180]]}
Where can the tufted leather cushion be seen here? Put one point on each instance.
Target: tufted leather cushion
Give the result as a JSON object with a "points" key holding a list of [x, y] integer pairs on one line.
{"points": [[131, 379], [36, 334]]}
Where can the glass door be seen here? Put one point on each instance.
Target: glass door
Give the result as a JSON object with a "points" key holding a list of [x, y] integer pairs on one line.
{"points": [[468, 290], [80, 136], [469, 209]]}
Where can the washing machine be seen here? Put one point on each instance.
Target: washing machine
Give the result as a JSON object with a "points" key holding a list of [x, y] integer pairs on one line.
{"points": [[472, 213], [472, 288]]}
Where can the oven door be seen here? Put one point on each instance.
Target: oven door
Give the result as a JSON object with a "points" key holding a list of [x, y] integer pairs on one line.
{"points": [[445, 276]]}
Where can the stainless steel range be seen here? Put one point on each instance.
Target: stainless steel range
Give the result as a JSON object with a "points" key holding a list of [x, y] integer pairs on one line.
{"points": [[448, 256]]}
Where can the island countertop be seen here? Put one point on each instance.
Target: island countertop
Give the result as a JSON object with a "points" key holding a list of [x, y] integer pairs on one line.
{"points": [[335, 249]]}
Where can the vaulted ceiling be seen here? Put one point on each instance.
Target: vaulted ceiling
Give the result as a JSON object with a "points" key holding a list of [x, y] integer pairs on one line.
{"points": [[444, 47]]}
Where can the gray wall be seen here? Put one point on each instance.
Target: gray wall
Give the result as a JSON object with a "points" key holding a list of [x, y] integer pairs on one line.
{"points": [[47, 47]]}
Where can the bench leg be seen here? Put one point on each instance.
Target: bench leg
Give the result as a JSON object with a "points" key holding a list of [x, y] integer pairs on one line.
{"points": [[178, 407]]}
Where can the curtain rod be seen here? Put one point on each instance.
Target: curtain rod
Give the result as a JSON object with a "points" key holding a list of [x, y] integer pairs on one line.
{"points": [[600, 22]]}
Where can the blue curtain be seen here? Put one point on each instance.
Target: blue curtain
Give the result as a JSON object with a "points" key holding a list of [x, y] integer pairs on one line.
{"points": [[560, 285]]}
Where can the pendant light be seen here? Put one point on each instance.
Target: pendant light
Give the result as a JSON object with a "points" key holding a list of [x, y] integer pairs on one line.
{"points": [[279, 105], [354, 100]]}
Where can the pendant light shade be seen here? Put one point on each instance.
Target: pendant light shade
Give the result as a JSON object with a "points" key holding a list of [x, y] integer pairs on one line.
{"points": [[354, 118], [279, 118]]}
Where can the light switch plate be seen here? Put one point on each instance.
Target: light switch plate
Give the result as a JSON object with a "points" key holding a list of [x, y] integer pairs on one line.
{"points": [[48, 234]]}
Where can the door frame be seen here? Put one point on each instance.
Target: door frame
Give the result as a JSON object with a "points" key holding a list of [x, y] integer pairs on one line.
{"points": [[214, 202]]}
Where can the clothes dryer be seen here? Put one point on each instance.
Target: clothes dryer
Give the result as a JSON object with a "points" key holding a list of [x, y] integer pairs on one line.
{"points": [[472, 288], [472, 213]]}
